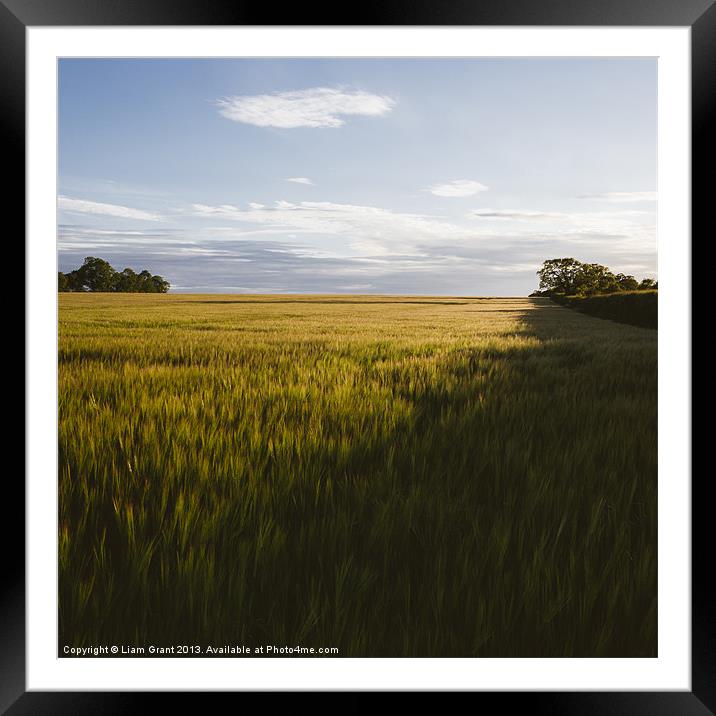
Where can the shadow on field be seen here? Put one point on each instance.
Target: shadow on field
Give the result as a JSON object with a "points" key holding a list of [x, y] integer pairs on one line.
{"points": [[494, 497]]}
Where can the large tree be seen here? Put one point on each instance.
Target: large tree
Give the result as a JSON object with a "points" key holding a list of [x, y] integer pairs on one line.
{"points": [[96, 274], [574, 278], [559, 275]]}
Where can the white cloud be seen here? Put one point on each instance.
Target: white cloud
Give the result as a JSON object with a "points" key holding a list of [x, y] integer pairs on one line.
{"points": [[301, 180], [622, 196], [371, 230], [82, 206], [389, 253], [457, 188], [378, 232], [315, 107]]}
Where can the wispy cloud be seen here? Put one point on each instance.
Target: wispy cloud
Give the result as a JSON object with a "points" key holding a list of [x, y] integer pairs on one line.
{"points": [[315, 107], [622, 196], [621, 227], [458, 188], [301, 180], [193, 260], [370, 229], [392, 237], [83, 206], [568, 216], [329, 247], [518, 214]]}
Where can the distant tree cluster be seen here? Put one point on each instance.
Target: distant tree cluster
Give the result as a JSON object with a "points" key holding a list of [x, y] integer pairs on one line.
{"points": [[569, 277], [97, 275]]}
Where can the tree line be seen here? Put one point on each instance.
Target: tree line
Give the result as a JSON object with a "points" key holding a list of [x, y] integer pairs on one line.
{"points": [[97, 275], [569, 277]]}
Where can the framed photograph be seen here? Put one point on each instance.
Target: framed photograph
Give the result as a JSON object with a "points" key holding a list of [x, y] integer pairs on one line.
{"points": [[346, 368]]}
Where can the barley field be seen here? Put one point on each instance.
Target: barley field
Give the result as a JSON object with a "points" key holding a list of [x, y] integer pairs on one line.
{"points": [[391, 476]]}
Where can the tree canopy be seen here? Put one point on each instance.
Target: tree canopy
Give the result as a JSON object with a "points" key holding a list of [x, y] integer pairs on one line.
{"points": [[569, 277], [97, 275]]}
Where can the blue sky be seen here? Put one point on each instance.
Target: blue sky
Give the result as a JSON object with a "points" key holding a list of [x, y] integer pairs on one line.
{"points": [[409, 176]]}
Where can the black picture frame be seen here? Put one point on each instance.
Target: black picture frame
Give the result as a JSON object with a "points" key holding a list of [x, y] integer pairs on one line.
{"points": [[699, 15]]}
